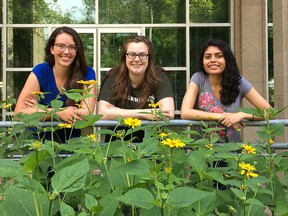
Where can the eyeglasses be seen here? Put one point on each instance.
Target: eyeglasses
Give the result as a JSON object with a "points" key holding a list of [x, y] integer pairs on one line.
{"points": [[62, 47], [141, 56]]}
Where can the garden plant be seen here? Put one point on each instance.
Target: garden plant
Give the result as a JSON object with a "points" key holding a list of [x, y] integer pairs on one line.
{"points": [[169, 173]]}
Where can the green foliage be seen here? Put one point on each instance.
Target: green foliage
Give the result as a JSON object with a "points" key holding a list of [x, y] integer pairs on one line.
{"points": [[169, 173]]}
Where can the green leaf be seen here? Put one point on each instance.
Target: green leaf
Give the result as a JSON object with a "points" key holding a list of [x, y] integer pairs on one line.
{"points": [[32, 161], [22, 202], [31, 185], [135, 167], [56, 104], [74, 96], [207, 204], [10, 168], [90, 202], [196, 161], [185, 196], [109, 203], [239, 193], [66, 210], [87, 121], [253, 201], [139, 197], [148, 146], [71, 178]]}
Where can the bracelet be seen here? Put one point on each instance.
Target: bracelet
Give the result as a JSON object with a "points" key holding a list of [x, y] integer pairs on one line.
{"points": [[253, 117]]}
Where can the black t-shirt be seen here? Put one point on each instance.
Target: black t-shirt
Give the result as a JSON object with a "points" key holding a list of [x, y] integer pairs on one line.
{"points": [[107, 93], [162, 90]]}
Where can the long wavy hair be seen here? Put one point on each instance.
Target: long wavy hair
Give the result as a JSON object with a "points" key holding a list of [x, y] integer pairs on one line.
{"points": [[230, 77], [78, 68], [122, 84]]}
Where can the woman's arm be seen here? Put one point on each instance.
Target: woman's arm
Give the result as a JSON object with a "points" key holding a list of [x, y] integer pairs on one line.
{"points": [[109, 111], [26, 96]]}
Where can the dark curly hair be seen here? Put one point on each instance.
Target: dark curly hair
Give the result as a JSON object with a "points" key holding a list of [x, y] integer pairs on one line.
{"points": [[230, 77], [78, 68], [122, 84]]}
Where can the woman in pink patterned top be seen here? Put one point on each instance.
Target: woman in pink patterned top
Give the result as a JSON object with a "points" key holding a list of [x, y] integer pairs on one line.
{"points": [[216, 92]]}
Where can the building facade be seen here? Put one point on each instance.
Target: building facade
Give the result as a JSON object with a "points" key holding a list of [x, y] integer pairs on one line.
{"points": [[256, 30]]}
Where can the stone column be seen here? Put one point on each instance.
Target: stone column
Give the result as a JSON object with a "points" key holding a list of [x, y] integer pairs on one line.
{"points": [[250, 50], [280, 52]]}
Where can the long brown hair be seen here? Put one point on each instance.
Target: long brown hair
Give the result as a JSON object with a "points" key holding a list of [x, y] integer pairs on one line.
{"points": [[230, 77], [123, 86], [78, 69]]}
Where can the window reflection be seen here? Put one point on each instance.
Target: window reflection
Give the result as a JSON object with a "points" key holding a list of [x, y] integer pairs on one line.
{"points": [[169, 46], [178, 82], [15, 82], [25, 47], [111, 44], [212, 11], [144, 11], [56, 12]]}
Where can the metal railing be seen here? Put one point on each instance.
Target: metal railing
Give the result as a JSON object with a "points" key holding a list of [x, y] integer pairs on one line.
{"points": [[175, 122]]}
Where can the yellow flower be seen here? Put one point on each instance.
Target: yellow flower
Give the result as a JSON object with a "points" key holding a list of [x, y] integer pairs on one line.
{"points": [[173, 143], [40, 94], [7, 106], [247, 167], [154, 105], [132, 122], [209, 146], [251, 174], [92, 137], [65, 125], [79, 106], [271, 141], [212, 118], [168, 170], [87, 82], [163, 134], [37, 93], [36, 144], [248, 149], [248, 170]]}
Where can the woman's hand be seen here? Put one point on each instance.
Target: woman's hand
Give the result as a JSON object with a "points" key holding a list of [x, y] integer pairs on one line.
{"points": [[30, 102], [233, 120], [69, 114]]}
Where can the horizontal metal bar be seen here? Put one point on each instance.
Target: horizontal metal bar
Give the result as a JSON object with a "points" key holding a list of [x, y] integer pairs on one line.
{"points": [[174, 122]]}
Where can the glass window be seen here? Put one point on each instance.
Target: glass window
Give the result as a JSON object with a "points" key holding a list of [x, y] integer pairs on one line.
{"points": [[1, 14], [88, 44], [169, 46], [25, 47], [60, 11], [209, 11], [146, 11], [270, 11], [15, 82], [178, 82], [1, 68], [270, 67], [199, 36], [111, 44]]}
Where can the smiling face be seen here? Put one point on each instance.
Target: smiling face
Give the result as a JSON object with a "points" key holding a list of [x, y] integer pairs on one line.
{"points": [[137, 66], [213, 61], [63, 57]]}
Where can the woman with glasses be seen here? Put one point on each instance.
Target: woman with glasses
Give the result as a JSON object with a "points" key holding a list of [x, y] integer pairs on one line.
{"points": [[65, 65], [127, 90], [216, 92]]}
